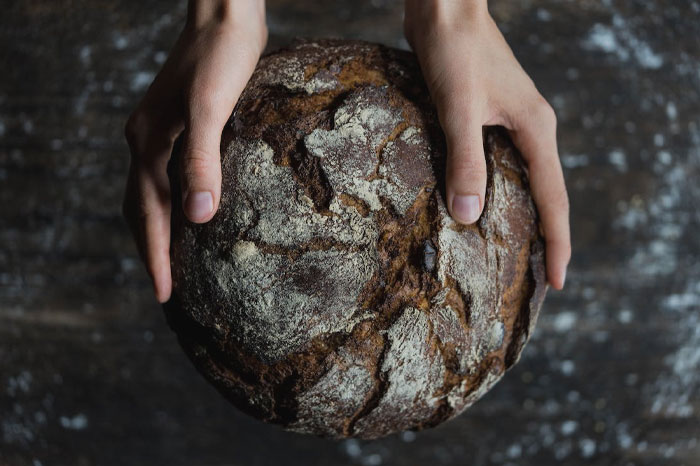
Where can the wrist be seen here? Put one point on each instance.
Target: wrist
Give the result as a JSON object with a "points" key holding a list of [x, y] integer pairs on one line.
{"points": [[206, 13], [426, 16]]}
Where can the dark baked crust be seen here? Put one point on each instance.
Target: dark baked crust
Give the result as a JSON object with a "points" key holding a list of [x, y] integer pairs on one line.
{"points": [[332, 293]]}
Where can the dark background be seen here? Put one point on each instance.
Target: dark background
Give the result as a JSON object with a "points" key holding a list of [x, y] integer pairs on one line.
{"points": [[91, 375]]}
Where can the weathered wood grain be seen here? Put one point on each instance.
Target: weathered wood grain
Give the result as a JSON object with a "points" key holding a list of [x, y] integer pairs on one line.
{"points": [[91, 375]]}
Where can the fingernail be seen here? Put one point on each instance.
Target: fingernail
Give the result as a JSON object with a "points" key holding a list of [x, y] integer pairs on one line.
{"points": [[563, 278], [466, 208], [199, 205]]}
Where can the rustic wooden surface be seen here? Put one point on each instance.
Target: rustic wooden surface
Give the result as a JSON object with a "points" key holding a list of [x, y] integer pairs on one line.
{"points": [[91, 375]]}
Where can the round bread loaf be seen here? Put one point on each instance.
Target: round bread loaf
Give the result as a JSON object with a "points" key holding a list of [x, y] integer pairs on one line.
{"points": [[332, 293]]}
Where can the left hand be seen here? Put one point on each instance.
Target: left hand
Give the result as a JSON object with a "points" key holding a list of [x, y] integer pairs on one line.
{"points": [[194, 93]]}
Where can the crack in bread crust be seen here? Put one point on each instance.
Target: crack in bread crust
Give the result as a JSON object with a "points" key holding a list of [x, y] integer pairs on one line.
{"points": [[332, 293]]}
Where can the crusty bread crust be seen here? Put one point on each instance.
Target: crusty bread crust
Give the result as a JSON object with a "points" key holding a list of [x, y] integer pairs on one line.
{"points": [[332, 293]]}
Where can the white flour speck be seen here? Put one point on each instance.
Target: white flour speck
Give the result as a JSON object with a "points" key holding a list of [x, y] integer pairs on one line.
{"points": [[620, 40], [565, 321], [568, 427], [141, 80], [77, 422], [618, 159]]}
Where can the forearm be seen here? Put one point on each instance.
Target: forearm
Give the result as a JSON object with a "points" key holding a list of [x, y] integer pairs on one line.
{"points": [[443, 10], [424, 16], [204, 12]]}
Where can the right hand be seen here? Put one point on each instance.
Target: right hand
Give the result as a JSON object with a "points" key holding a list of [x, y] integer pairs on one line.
{"points": [[475, 81], [195, 92]]}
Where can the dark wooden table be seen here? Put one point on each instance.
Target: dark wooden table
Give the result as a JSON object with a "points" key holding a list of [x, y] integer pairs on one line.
{"points": [[91, 375]]}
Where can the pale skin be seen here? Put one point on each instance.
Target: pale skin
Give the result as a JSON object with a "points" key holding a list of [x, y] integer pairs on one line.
{"points": [[472, 75]]}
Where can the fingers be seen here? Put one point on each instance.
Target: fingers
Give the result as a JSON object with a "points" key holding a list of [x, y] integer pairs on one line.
{"points": [[149, 218], [208, 105], [534, 133], [155, 227], [147, 206], [466, 165], [201, 163]]}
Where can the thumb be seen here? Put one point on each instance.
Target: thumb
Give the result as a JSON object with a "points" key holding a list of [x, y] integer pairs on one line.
{"points": [[201, 164], [466, 167]]}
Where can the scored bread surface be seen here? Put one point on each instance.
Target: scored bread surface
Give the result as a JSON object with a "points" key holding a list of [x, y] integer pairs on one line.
{"points": [[332, 293]]}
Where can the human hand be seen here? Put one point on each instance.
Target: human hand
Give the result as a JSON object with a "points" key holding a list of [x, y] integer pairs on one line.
{"points": [[194, 92], [474, 79]]}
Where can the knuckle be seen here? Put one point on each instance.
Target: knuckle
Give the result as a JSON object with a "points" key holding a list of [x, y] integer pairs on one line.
{"points": [[130, 127], [543, 113], [567, 252], [467, 166], [136, 125], [560, 202], [563, 201], [145, 211], [562, 247], [557, 236], [197, 164]]}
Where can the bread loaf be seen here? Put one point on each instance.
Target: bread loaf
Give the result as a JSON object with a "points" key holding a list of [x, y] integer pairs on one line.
{"points": [[332, 293]]}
